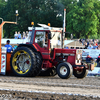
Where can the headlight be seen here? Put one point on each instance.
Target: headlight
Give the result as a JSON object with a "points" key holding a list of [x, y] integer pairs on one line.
{"points": [[79, 51], [78, 58]]}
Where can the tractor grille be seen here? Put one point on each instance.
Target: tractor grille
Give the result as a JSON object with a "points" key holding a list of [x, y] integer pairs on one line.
{"points": [[78, 57]]}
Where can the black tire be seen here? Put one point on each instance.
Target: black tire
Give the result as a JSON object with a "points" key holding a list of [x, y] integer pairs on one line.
{"points": [[64, 70], [48, 72], [80, 73], [38, 66], [23, 62]]}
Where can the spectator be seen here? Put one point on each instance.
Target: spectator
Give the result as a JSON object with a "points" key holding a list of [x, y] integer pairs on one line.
{"points": [[9, 47], [88, 59], [96, 43], [85, 44], [99, 46], [83, 41], [95, 46], [80, 40], [24, 35], [15, 46], [16, 35], [90, 46], [98, 60], [27, 33], [19, 35], [93, 40]]}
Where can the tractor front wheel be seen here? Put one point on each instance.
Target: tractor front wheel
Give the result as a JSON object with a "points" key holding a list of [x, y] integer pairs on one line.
{"points": [[64, 70], [80, 73]]}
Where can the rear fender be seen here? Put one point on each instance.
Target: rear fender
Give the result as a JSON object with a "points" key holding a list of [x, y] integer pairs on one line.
{"points": [[29, 46], [32, 47]]}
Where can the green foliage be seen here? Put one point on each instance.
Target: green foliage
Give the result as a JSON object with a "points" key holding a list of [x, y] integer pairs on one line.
{"points": [[82, 17], [39, 11]]}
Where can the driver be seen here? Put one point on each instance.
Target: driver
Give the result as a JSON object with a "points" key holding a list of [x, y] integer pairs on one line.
{"points": [[46, 39]]}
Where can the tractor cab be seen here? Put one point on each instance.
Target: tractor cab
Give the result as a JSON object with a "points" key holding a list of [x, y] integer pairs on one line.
{"points": [[42, 35], [45, 38]]}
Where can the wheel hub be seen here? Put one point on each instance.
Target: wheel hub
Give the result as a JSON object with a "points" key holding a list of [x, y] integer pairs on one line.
{"points": [[63, 70], [27, 62]]}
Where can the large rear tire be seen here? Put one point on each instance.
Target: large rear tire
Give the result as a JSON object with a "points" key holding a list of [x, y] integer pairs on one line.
{"points": [[64, 70], [38, 66], [80, 73], [23, 62]]}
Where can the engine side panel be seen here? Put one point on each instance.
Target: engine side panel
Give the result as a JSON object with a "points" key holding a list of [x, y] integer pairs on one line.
{"points": [[68, 55]]}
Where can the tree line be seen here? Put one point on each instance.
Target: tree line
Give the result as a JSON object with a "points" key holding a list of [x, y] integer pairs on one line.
{"points": [[82, 16]]}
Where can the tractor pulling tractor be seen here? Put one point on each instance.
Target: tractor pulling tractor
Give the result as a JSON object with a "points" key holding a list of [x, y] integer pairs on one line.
{"points": [[43, 56]]}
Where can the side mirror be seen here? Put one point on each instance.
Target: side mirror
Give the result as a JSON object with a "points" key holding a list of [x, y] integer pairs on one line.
{"points": [[49, 35]]}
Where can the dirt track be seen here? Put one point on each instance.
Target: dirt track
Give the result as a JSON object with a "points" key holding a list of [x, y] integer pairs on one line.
{"points": [[40, 88]]}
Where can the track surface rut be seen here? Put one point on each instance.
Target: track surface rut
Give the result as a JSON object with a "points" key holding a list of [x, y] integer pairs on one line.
{"points": [[87, 87]]}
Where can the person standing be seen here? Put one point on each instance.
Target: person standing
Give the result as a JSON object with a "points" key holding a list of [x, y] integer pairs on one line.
{"points": [[27, 34], [9, 47], [90, 46], [88, 59], [24, 35], [16, 35], [98, 60], [85, 44], [95, 46], [19, 35]]}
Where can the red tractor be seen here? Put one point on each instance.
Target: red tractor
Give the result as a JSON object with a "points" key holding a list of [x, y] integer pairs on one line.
{"points": [[43, 54]]}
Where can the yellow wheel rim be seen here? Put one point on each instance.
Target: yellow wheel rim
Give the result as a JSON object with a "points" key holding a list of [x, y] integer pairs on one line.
{"points": [[21, 62]]}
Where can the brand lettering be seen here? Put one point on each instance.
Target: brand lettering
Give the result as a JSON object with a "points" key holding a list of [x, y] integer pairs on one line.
{"points": [[3, 57], [3, 61], [2, 66]]}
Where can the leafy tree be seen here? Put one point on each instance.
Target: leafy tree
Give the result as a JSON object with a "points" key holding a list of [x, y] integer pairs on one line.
{"points": [[82, 20], [82, 17], [39, 11], [68, 5], [97, 10]]}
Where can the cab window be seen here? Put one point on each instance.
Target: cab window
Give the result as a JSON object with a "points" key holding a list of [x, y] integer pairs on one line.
{"points": [[39, 38]]}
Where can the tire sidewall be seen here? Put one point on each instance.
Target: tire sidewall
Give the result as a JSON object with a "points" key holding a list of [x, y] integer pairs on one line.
{"points": [[82, 74], [68, 70], [29, 53]]}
